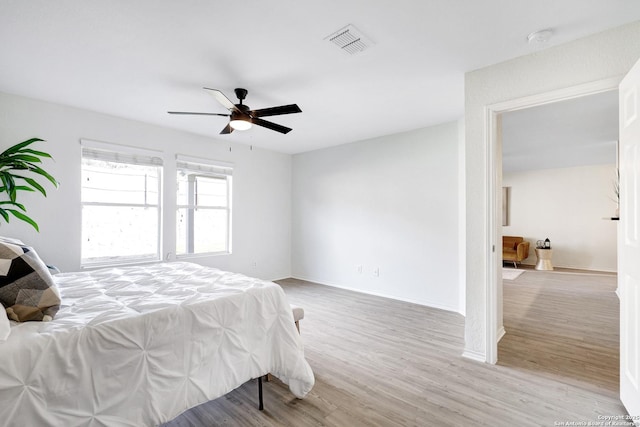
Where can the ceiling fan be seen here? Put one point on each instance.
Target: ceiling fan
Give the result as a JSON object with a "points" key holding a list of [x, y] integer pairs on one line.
{"points": [[241, 116]]}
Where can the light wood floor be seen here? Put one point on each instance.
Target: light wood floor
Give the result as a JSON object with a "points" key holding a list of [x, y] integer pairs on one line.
{"points": [[381, 362]]}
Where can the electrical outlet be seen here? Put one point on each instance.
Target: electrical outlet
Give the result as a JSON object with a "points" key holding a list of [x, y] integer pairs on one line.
{"points": [[376, 272], [359, 268]]}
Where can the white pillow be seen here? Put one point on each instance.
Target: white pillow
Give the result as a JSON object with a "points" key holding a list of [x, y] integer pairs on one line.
{"points": [[5, 325]]}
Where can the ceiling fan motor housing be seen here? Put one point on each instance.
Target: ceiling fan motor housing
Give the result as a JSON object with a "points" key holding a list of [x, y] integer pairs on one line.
{"points": [[243, 114], [241, 93], [237, 115]]}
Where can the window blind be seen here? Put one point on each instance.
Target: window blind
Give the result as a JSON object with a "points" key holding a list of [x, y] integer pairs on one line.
{"points": [[119, 153], [119, 157], [203, 166]]}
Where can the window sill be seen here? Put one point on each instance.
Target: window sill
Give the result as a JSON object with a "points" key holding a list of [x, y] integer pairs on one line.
{"points": [[202, 255], [118, 263]]}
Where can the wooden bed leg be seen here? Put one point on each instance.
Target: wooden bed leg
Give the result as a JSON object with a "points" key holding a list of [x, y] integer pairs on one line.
{"points": [[260, 402]]}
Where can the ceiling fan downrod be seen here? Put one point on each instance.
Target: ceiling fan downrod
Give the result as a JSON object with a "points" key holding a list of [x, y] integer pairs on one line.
{"points": [[241, 93]]}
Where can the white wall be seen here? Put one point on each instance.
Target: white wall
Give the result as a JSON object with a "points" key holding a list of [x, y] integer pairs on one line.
{"points": [[388, 203], [568, 206], [605, 55], [261, 185]]}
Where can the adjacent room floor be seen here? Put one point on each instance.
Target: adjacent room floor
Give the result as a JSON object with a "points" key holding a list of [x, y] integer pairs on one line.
{"points": [[380, 362], [563, 324]]}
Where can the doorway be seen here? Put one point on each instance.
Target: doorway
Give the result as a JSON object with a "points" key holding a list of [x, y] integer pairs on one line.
{"points": [[493, 119], [559, 164]]}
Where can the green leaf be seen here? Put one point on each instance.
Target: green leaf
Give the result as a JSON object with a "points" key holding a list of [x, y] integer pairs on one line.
{"points": [[26, 158], [10, 185], [24, 218], [35, 185], [18, 188], [4, 214], [44, 173], [5, 187], [37, 153], [24, 188], [8, 163], [19, 146], [18, 205]]}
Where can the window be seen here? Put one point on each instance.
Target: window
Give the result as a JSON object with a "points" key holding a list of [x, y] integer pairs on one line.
{"points": [[120, 205], [204, 208]]}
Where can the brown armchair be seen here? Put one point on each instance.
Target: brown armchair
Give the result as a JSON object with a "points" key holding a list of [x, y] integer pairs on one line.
{"points": [[514, 249]]}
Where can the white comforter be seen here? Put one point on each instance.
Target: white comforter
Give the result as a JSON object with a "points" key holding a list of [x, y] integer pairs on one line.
{"points": [[137, 346]]}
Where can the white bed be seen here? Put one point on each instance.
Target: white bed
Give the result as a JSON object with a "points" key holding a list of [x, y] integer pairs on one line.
{"points": [[137, 346]]}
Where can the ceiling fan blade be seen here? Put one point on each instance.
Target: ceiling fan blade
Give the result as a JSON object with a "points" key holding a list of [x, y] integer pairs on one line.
{"points": [[270, 125], [222, 99], [227, 129], [198, 114], [275, 111]]}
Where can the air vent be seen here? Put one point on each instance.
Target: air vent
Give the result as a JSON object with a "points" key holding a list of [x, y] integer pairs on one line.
{"points": [[350, 40]]}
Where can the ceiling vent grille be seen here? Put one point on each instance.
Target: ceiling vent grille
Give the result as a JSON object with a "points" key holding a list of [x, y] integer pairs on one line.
{"points": [[350, 40]]}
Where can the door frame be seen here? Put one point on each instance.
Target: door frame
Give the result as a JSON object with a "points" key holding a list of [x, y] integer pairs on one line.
{"points": [[493, 181]]}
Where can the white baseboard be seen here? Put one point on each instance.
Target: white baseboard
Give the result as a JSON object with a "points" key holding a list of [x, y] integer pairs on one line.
{"points": [[474, 355], [481, 357], [379, 294], [586, 270]]}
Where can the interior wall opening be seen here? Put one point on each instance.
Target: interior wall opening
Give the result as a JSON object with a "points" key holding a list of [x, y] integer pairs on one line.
{"points": [[556, 179]]}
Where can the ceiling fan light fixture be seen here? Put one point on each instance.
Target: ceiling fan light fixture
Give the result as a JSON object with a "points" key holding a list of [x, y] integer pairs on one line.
{"points": [[239, 122]]}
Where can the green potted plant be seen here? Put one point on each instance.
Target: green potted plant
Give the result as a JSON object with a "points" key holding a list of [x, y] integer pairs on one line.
{"points": [[19, 166]]}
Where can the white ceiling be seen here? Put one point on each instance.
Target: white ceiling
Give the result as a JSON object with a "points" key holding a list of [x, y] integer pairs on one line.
{"points": [[139, 59], [578, 132]]}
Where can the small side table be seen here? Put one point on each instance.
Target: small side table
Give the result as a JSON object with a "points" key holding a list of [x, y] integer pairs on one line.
{"points": [[544, 259]]}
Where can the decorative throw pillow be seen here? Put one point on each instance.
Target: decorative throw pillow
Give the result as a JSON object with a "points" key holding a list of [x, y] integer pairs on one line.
{"points": [[11, 240], [27, 290]]}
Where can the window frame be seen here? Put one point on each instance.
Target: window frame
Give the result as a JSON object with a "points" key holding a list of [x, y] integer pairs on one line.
{"points": [[130, 156], [207, 169]]}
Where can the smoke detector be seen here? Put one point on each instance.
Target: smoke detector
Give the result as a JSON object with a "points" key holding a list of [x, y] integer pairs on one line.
{"points": [[350, 40], [539, 37]]}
